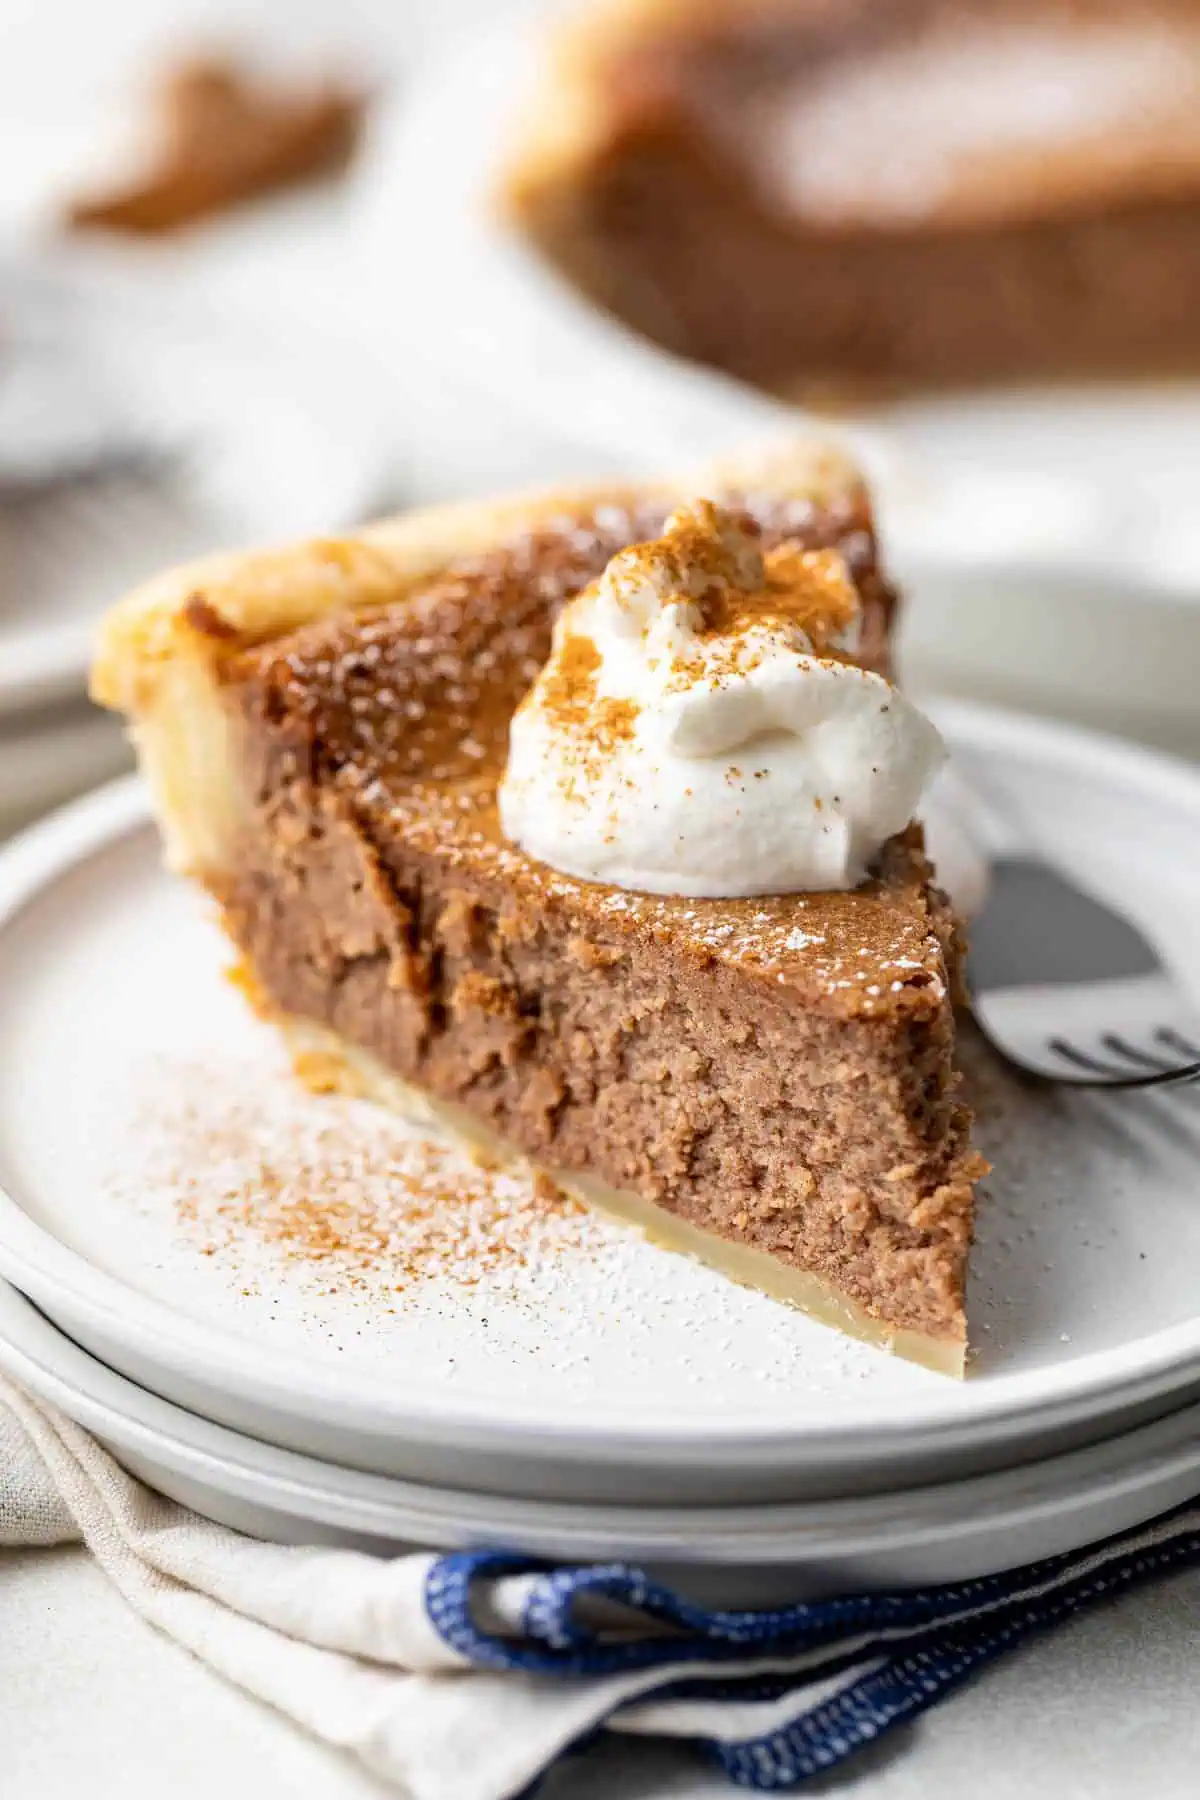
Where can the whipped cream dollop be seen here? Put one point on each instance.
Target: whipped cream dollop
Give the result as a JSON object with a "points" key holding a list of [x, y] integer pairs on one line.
{"points": [[701, 727]]}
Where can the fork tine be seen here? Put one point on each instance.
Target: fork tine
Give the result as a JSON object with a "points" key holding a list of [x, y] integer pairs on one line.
{"points": [[1175, 1040], [1081, 1060], [1121, 1047], [1149, 1072]]}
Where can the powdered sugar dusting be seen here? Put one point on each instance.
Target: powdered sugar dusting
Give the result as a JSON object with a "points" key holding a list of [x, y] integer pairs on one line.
{"points": [[341, 1196], [329, 1221]]}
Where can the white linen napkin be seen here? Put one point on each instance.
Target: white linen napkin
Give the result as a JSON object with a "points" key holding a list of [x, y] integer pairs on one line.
{"points": [[464, 1678], [340, 1642]]}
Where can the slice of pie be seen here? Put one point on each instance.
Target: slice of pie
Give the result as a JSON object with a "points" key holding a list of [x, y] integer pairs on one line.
{"points": [[765, 1082], [865, 194]]}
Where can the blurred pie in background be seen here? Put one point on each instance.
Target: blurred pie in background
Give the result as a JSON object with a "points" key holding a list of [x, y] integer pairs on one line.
{"points": [[856, 195]]}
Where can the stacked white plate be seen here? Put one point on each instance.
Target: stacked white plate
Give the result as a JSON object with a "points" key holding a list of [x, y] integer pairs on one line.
{"points": [[608, 1399], [722, 1555]]}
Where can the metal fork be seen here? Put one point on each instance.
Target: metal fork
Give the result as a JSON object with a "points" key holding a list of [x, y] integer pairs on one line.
{"points": [[1063, 985]]}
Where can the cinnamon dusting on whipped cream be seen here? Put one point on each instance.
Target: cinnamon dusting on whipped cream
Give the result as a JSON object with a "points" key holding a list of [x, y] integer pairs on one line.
{"points": [[746, 598], [591, 724], [695, 668], [806, 589]]}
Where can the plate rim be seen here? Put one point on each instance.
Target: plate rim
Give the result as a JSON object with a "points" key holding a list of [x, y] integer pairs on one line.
{"points": [[43, 667], [118, 1409], [42, 1266]]}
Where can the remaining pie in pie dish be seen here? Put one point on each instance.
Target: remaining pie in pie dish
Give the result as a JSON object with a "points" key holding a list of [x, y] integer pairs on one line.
{"points": [[877, 192], [583, 824]]}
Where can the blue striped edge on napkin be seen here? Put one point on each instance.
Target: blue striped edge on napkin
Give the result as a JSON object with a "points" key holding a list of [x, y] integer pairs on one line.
{"points": [[780, 1695]]}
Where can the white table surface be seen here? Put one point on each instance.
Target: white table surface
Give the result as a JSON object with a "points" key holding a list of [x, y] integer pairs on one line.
{"points": [[94, 1703]]}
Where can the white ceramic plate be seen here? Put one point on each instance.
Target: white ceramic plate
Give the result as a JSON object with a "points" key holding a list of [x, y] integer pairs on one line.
{"points": [[48, 757], [729, 1556], [262, 438], [619, 1372]]}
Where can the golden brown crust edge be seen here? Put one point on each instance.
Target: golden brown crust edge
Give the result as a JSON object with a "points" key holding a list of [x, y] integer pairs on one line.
{"points": [[157, 650], [263, 594]]}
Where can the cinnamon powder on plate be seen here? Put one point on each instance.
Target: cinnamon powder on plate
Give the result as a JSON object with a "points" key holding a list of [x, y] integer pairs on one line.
{"points": [[335, 1190]]}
